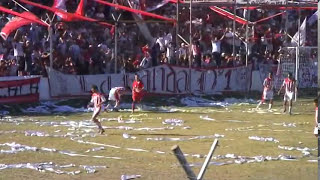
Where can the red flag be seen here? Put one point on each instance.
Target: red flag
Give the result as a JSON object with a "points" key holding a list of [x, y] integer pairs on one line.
{"points": [[112, 31], [228, 15], [80, 9], [16, 23], [30, 17], [69, 16], [135, 11]]}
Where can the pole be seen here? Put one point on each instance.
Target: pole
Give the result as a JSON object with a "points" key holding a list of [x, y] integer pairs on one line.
{"points": [[183, 162], [115, 47], [234, 29], [298, 52], [51, 45], [247, 31], [177, 25], [190, 37], [318, 85], [286, 24], [190, 47], [20, 5], [208, 158]]}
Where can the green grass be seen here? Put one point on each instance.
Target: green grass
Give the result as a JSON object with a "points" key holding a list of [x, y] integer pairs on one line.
{"points": [[152, 165]]}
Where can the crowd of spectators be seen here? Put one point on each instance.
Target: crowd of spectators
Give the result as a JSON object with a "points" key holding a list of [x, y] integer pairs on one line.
{"points": [[88, 48]]}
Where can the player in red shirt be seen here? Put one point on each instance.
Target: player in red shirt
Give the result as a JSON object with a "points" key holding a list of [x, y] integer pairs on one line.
{"points": [[289, 84], [97, 101], [267, 91], [137, 91]]}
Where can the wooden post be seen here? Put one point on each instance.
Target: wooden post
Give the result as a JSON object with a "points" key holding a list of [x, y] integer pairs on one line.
{"points": [[182, 160], [208, 158]]}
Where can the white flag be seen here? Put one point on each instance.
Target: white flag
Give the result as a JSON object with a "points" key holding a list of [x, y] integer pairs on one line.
{"points": [[312, 19], [303, 34]]}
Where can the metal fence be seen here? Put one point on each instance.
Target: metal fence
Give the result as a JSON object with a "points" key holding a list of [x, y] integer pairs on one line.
{"points": [[302, 63]]}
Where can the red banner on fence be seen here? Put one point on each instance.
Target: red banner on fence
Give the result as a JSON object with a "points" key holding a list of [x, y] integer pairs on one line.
{"points": [[19, 89]]}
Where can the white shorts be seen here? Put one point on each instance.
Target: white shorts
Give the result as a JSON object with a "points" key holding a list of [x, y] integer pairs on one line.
{"points": [[267, 95], [316, 130], [288, 96]]}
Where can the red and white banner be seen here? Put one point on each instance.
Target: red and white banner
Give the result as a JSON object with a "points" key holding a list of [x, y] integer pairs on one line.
{"points": [[162, 79], [19, 89]]}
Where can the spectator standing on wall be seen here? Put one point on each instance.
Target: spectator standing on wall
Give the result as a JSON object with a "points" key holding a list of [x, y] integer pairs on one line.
{"points": [[28, 49], [18, 53], [196, 52], [146, 62], [216, 49], [182, 54], [170, 54]]}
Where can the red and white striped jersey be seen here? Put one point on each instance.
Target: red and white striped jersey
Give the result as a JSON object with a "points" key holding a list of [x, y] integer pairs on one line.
{"points": [[268, 84], [97, 99], [289, 85]]}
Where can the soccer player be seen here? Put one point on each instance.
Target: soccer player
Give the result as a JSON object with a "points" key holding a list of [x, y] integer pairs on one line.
{"points": [[137, 91], [316, 128], [115, 96], [267, 91], [289, 84], [97, 101]]}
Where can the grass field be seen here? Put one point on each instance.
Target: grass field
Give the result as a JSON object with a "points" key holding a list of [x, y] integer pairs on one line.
{"points": [[146, 152]]}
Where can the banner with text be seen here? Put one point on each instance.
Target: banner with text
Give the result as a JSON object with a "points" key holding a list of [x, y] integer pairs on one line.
{"points": [[162, 79], [19, 89]]}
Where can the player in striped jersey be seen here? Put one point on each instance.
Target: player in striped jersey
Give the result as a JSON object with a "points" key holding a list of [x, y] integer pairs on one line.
{"points": [[115, 96], [268, 89], [97, 101], [289, 85]]}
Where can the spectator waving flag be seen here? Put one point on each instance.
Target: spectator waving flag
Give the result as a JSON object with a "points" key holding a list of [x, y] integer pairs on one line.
{"points": [[300, 37]]}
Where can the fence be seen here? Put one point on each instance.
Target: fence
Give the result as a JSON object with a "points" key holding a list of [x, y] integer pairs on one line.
{"points": [[302, 63]]}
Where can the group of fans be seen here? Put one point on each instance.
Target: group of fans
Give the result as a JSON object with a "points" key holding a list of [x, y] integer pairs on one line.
{"points": [[88, 48]]}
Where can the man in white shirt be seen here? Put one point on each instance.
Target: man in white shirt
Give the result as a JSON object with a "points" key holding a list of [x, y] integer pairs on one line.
{"points": [[146, 62], [216, 49], [18, 53], [182, 53]]}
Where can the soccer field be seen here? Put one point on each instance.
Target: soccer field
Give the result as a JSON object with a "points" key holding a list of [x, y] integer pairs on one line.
{"points": [[253, 145]]}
